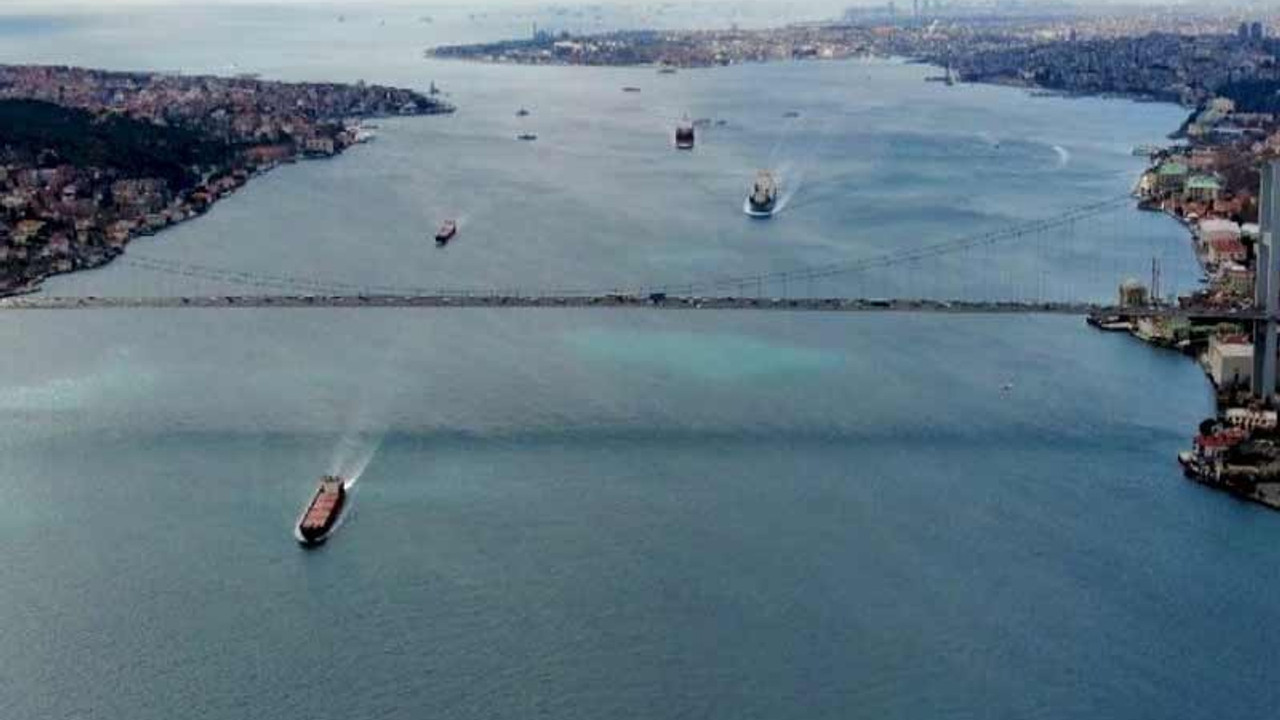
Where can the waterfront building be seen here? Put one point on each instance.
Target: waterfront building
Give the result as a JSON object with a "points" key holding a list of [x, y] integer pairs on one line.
{"points": [[1236, 279], [1211, 229], [1229, 361], [1171, 176], [1222, 251], [1250, 418], [1133, 294], [1202, 188]]}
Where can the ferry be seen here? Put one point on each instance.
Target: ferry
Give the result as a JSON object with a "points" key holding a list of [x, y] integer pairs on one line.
{"points": [[685, 136], [446, 232], [323, 512], [763, 200]]}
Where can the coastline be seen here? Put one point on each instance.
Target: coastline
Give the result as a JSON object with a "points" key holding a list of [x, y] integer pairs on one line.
{"points": [[93, 159], [184, 210]]}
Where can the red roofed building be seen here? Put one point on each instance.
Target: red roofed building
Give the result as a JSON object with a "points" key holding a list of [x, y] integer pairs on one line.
{"points": [[1223, 250]]}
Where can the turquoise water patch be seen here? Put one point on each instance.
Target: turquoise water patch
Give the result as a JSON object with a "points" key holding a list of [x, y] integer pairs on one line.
{"points": [[709, 356]]}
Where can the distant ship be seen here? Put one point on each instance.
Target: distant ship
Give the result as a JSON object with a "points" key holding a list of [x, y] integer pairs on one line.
{"points": [[324, 511], [447, 230], [763, 199], [685, 136], [527, 137]]}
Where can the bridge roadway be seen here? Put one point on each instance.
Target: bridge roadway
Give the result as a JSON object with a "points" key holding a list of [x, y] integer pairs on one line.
{"points": [[618, 301]]}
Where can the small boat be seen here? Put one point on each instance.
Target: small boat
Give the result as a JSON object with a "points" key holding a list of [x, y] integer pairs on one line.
{"points": [[631, 89], [763, 200], [527, 137], [323, 512], [447, 230], [522, 112], [666, 70], [791, 114], [685, 136]]}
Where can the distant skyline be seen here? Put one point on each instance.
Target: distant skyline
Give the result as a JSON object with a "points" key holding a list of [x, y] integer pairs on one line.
{"points": [[36, 4], [814, 8]]}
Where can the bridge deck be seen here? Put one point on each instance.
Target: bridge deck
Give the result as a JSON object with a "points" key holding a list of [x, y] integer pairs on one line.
{"points": [[441, 302]]}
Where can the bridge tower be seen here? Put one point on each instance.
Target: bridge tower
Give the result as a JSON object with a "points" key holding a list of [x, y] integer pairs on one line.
{"points": [[1267, 284]]}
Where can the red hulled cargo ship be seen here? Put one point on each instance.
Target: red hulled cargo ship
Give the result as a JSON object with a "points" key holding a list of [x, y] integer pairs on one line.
{"points": [[321, 516]]}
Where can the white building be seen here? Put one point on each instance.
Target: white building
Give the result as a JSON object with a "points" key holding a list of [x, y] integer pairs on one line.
{"points": [[1229, 361], [1211, 229]]}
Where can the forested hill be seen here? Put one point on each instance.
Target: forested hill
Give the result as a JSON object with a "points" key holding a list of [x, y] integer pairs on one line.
{"points": [[43, 134], [1253, 96]]}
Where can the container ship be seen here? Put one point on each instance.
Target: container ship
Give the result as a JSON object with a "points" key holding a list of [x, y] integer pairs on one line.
{"points": [[763, 199], [446, 232], [685, 135], [322, 514]]}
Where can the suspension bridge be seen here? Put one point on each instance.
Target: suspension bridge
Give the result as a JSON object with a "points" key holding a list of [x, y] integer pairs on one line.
{"points": [[656, 301], [965, 274]]}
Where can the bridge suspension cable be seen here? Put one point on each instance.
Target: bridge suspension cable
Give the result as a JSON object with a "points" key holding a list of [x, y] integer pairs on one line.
{"points": [[788, 278]]}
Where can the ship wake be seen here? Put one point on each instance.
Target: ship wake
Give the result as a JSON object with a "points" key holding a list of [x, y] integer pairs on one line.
{"points": [[352, 455]]}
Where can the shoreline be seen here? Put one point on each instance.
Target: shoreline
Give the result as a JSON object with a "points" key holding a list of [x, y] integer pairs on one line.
{"points": [[190, 213], [94, 159], [1242, 481]]}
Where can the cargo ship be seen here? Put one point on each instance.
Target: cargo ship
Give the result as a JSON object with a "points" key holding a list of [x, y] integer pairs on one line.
{"points": [[763, 199], [323, 513], [447, 230], [685, 135]]}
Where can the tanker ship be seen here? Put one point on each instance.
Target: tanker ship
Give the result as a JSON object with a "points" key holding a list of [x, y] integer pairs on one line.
{"points": [[323, 513]]}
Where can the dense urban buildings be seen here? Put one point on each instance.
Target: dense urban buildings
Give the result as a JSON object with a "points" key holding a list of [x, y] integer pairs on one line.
{"points": [[89, 159]]}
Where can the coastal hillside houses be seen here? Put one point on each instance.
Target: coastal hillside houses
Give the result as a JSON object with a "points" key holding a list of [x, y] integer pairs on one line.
{"points": [[1220, 242], [1171, 176], [1202, 188]]}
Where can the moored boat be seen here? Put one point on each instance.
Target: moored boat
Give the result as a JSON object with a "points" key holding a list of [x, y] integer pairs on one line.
{"points": [[323, 512]]}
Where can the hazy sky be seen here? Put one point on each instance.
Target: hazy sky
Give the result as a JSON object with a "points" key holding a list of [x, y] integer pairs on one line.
{"points": [[791, 6]]}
